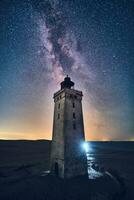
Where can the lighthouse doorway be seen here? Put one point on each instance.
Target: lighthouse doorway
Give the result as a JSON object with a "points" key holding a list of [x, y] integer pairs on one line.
{"points": [[56, 169]]}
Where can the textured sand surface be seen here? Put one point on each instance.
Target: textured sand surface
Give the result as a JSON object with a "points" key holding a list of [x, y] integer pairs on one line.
{"points": [[24, 173]]}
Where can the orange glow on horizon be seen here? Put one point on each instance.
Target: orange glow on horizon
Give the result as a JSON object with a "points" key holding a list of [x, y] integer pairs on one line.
{"points": [[39, 126]]}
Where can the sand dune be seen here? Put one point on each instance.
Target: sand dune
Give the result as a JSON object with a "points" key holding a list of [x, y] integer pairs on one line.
{"points": [[24, 167]]}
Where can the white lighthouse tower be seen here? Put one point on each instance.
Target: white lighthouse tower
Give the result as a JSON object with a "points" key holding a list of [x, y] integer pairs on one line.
{"points": [[68, 158]]}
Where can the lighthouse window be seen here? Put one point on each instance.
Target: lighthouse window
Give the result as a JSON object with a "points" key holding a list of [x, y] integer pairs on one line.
{"points": [[74, 126], [73, 105], [58, 116], [74, 115], [59, 105], [71, 95]]}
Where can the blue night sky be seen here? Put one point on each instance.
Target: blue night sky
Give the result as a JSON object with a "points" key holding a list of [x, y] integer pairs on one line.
{"points": [[90, 40]]}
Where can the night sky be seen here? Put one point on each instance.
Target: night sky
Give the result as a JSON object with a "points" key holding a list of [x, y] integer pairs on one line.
{"points": [[41, 41]]}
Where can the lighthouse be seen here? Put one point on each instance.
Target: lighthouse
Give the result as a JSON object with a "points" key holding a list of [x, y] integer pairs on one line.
{"points": [[68, 158]]}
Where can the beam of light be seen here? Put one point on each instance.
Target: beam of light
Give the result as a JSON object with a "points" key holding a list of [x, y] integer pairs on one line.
{"points": [[86, 146]]}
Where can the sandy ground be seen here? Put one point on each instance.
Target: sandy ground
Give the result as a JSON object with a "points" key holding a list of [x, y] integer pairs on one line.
{"points": [[24, 173]]}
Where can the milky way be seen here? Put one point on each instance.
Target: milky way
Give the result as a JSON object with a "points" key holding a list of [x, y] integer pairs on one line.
{"points": [[44, 40], [58, 42]]}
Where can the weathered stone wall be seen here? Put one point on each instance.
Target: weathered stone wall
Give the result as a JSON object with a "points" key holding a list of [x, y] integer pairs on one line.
{"points": [[57, 149], [75, 158], [68, 134]]}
